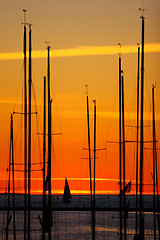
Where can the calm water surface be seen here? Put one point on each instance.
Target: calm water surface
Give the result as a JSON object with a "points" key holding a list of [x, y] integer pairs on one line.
{"points": [[72, 225]]}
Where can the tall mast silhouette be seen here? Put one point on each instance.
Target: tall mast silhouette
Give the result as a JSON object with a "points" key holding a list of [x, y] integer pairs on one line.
{"points": [[123, 133], [49, 144], [14, 216], [44, 160], [120, 150], [154, 189], [89, 151], [156, 176], [89, 145], [29, 132], [25, 125], [137, 140], [141, 137], [11, 163], [94, 173], [9, 181]]}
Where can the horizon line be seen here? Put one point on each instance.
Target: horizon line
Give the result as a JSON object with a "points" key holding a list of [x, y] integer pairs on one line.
{"points": [[82, 51]]}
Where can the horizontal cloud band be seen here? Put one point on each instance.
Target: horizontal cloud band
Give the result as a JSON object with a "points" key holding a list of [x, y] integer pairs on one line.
{"points": [[83, 51]]}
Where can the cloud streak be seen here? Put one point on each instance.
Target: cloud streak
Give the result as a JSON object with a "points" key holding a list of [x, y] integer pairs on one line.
{"points": [[83, 51]]}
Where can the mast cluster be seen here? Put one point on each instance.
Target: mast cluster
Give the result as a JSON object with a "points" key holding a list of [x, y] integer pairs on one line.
{"points": [[47, 221], [47, 209]]}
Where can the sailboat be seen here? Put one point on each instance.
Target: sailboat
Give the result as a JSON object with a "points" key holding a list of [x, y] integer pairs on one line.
{"points": [[67, 194]]}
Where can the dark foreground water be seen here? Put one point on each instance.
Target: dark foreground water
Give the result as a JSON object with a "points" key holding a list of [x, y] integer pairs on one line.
{"points": [[72, 225]]}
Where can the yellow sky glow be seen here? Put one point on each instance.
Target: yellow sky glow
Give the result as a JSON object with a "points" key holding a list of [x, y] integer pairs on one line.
{"points": [[83, 51]]}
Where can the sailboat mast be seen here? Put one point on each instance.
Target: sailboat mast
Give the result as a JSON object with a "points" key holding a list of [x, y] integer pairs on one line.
{"points": [[14, 216], [49, 143], [155, 165], [123, 131], [137, 140], [44, 158], [94, 185], [154, 190], [89, 146], [141, 136], [8, 210], [25, 125], [120, 154], [29, 134], [157, 188]]}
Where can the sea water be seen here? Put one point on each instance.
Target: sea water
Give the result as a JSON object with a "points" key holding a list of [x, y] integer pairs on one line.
{"points": [[72, 225]]}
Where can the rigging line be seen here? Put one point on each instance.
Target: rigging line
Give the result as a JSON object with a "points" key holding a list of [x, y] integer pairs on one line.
{"points": [[98, 127], [102, 158], [53, 152], [82, 154], [19, 164], [16, 133], [21, 120], [131, 113], [20, 80], [20, 136], [6, 152], [113, 107], [32, 170], [55, 105], [129, 121], [148, 95], [37, 116], [149, 103], [59, 122]]}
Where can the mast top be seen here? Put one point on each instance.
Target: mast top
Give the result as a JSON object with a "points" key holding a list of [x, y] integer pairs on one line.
{"points": [[24, 23], [154, 85], [48, 46], [86, 90], [119, 50], [142, 10], [30, 25]]}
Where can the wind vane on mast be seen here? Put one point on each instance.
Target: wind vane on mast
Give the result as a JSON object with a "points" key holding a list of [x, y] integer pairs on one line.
{"points": [[142, 10], [86, 89], [119, 49], [24, 23], [47, 44]]}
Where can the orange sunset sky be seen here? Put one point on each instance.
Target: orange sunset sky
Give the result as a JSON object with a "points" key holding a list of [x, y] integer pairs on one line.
{"points": [[84, 37]]}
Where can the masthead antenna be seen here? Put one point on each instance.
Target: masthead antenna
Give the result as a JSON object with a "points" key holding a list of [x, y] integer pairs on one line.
{"points": [[30, 25], [119, 49], [47, 44], [86, 90], [24, 10], [154, 85], [142, 10]]}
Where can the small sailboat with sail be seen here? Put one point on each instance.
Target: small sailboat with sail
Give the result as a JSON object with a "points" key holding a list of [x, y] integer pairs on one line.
{"points": [[67, 194]]}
